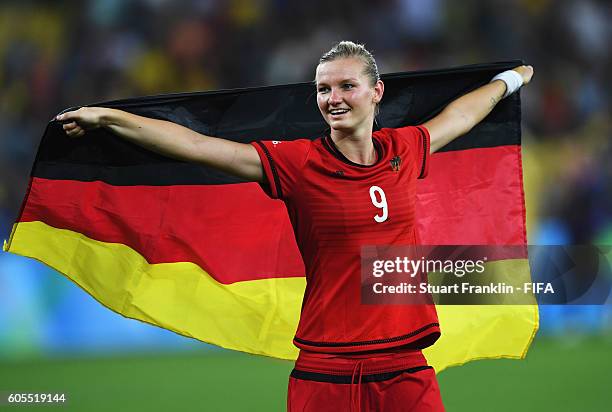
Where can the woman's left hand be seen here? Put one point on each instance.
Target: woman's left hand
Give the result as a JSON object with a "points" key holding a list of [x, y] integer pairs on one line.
{"points": [[526, 73]]}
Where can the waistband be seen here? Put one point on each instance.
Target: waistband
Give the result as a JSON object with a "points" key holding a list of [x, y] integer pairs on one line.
{"points": [[369, 363]]}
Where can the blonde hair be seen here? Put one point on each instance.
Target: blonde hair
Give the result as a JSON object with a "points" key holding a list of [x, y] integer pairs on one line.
{"points": [[347, 49]]}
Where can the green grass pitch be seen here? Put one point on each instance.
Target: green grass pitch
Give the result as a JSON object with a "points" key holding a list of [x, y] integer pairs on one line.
{"points": [[558, 375]]}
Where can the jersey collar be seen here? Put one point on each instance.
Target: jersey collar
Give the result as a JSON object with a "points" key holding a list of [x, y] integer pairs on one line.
{"points": [[329, 144]]}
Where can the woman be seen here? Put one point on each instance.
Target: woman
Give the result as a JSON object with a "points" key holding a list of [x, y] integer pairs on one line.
{"points": [[343, 191]]}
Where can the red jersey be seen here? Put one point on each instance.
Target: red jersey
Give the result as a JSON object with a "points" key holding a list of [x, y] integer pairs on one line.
{"points": [[337, 206]]}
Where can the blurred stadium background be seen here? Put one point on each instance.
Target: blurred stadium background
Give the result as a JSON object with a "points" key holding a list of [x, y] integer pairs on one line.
{"points": [[58, 54]]}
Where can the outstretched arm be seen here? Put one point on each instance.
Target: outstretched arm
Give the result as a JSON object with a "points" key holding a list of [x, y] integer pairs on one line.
{"points": [[168, 139], [467, 111]]}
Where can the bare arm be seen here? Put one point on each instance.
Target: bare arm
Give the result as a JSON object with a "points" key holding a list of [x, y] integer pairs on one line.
{"points": [[169, 139], [462, 114]]}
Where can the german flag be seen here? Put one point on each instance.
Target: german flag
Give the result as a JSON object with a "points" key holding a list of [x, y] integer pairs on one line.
{"points": [[209, 256]]}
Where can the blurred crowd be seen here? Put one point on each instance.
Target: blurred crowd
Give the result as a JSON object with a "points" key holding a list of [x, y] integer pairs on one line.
{"points": [[59, 54]]}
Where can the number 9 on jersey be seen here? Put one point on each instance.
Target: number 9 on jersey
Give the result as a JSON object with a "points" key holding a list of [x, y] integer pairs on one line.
{"points": [[381, 204]]}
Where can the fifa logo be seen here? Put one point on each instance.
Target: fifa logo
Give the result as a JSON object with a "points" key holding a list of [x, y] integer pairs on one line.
{"points": [[396, 163]]}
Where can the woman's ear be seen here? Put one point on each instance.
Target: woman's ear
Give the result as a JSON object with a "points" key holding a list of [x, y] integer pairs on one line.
{"points": [[379, 89]]}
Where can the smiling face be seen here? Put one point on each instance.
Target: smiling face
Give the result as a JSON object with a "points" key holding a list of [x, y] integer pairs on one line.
{"points": [[345, 96]]}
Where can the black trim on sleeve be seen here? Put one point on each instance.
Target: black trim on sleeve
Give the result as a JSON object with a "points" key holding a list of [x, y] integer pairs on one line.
{"points": [[425, 152], [346, 379], [279, 190]]}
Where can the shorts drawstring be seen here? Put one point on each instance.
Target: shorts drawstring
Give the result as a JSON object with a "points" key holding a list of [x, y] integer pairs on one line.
{"points": [[358, 365], [337, 369]]}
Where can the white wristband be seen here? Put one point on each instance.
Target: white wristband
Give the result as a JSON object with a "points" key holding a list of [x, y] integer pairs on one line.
{"points": [[513, 81]]}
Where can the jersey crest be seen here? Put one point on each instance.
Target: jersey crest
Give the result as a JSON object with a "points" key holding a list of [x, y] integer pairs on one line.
{"points": [[396, 162]]}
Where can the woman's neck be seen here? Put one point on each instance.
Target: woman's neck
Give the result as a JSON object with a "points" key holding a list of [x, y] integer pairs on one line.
{"points": [[356, 146]]}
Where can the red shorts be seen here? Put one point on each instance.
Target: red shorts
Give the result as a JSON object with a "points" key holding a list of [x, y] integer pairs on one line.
{"points": [[383, 381]]}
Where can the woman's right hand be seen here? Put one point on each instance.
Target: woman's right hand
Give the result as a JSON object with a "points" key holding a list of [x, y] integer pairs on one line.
{"points": [[76, 122]]}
